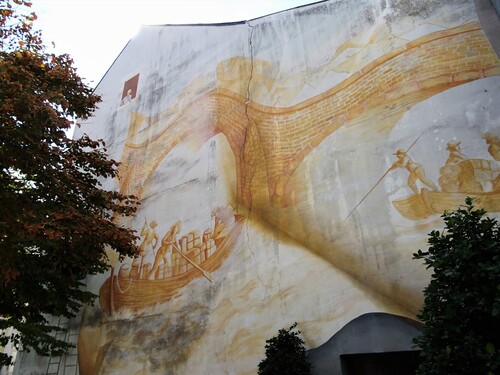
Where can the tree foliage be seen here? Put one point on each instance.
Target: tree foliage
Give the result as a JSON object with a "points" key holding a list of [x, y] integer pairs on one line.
{"points": [[285, 354], [461, 312], [56, 219]]}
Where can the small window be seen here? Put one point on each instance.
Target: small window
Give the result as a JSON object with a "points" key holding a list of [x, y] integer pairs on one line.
{"points": [[130, 90]]}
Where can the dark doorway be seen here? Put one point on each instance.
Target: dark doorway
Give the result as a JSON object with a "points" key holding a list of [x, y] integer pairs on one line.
{"points": [[389, 363]]}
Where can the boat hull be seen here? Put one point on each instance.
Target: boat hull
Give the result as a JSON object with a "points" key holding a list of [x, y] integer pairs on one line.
{"points": [[427, 203]]}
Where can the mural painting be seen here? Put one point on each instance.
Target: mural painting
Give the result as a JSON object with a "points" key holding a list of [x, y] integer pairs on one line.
{"points": [[287, 168], [176, 262], [264, 185], [459, 177]]}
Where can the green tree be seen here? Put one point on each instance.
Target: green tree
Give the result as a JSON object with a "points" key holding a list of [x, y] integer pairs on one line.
{"points": [[461, 312], [285, 354], [56, 219]]}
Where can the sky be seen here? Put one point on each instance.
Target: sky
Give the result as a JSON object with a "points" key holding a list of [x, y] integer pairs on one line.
{"points": [[94, 32]]}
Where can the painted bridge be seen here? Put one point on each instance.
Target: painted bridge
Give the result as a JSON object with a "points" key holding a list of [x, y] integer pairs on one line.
{"points": [[269, 143]]}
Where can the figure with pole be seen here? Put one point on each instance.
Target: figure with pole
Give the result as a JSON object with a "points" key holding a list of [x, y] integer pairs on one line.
{"points": [[416, 171], [165, 251], [404, 161]]}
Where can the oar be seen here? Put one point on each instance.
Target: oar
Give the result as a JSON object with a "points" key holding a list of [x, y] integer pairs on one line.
{"points": [[367, 194], [203, 272]]}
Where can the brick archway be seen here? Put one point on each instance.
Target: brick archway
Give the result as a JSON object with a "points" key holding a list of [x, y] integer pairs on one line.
{"points": [[280, 138]]}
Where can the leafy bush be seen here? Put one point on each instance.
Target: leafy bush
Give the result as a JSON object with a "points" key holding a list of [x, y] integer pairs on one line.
{"points": [[285, 354], [461, 312]]}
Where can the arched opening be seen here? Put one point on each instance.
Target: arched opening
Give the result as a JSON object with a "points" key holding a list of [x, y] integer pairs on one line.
{"points": [[371, 344]]}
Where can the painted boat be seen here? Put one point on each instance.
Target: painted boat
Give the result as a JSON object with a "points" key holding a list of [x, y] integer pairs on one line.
{"points": [[427, 203], [121, 292]]}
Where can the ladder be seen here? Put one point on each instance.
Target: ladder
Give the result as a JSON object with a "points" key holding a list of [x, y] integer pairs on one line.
{"points": [[68, 361]]}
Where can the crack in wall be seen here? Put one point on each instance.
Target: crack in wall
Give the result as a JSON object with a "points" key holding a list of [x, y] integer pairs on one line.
{"points": [[247, 105]]}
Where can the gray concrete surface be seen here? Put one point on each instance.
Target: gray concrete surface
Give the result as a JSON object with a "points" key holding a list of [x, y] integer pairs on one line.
{"points": [[369, 333], [490, 21]]}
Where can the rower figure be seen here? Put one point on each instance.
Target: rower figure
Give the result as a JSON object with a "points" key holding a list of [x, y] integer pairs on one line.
{"points": [[165, 251]]}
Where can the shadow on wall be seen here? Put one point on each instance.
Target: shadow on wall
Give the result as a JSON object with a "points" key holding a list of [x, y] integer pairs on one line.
{"points": [[370, 344]]}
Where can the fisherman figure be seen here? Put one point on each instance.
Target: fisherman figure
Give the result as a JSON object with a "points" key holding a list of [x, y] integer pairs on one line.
{"points": [[415, 169]]}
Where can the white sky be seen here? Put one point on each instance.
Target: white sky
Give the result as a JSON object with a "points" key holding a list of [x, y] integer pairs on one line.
{"points": [[94, 32]]}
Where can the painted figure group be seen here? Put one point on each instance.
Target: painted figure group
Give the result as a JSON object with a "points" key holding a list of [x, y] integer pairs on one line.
{"points": [[168, 244], [171, 248], [451, 171]]}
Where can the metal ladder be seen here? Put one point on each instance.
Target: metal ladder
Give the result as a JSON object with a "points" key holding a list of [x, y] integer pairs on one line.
{"points": [[69, 361]]}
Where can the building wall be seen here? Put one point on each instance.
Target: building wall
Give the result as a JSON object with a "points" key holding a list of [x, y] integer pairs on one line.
{"points": [[496, 4], [269, 150]]}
